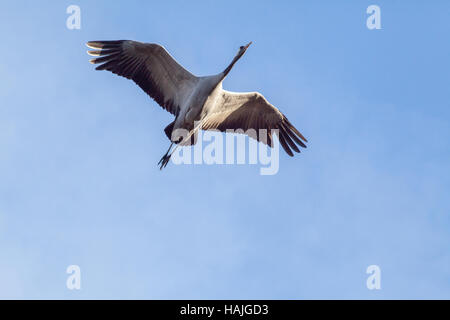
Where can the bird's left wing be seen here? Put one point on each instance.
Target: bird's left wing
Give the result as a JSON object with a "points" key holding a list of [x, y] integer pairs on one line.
{"points": [[252, 111], [150, 66]]}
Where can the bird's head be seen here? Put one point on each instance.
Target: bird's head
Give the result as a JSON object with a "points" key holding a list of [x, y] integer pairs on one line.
{"points": [[240, 53], [242, 49]]}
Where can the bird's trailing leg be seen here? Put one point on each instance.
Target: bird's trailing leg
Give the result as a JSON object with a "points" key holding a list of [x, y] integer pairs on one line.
{"points": [[165, 159]]}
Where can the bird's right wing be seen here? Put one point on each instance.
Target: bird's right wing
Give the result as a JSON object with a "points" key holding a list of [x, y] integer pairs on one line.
{"points": [[251, 110], [150, 66]]}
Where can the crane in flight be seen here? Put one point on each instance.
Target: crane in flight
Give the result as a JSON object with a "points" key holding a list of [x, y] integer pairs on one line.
{"points": [[193, 99]]}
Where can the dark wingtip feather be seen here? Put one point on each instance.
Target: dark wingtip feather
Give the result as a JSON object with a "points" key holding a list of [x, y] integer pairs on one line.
{"points": [[94, 45], [98, 53], [288, 139], [104, 58], [291, 126], [94, 53], [104, 44], [293, 135], [284, 144]]}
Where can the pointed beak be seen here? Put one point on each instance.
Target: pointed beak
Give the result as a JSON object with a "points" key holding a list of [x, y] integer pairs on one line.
{"points": [[248, 45]]}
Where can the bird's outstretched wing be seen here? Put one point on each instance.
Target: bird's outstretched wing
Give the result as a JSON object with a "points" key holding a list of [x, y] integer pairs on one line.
{"points": [[150, 66], [251, 110]]}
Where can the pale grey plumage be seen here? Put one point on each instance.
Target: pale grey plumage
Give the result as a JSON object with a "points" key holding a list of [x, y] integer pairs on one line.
{"points": [[191, 98]]}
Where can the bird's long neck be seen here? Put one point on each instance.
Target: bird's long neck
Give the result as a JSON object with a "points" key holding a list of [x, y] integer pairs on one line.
{"points": [[230, 66]]}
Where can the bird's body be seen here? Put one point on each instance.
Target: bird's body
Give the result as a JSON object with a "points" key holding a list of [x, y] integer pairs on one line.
{"points": [[201, 99], [193, 99]]}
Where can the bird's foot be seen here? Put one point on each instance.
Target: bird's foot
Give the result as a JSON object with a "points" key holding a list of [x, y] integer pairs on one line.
{"points": [[164, 161]]}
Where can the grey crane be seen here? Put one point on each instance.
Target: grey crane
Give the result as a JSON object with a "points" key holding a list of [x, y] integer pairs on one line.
{"points": [[193, 99]]}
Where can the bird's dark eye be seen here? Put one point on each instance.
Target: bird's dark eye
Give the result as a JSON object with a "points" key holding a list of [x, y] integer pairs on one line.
{"points": [[242, 47]]}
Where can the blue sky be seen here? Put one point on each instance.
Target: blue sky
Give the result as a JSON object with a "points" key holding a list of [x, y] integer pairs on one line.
{"points": [[79, 183]]}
